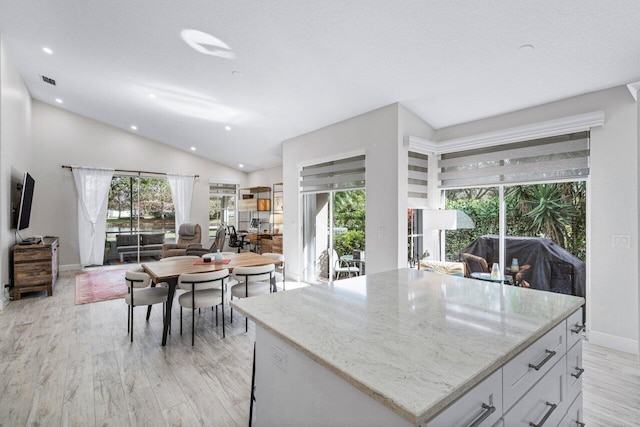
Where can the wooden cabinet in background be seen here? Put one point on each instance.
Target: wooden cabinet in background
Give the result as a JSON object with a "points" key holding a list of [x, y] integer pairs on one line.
{"points": [[35, 267]]}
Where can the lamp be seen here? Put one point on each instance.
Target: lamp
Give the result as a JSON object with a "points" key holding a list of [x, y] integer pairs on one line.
{"points": [[446, 219]]}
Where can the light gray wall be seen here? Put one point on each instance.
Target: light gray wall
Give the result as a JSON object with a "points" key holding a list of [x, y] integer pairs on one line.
{"points": [[15, 151], [612, 292], [63, 138]]}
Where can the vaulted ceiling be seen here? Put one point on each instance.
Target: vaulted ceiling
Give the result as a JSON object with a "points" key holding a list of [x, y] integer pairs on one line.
{"points": [[261, 72]]}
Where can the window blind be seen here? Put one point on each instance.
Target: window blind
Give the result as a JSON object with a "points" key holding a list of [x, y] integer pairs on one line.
{"points": [[418, 179], [344, 174], [547, 159], [222, 188]]}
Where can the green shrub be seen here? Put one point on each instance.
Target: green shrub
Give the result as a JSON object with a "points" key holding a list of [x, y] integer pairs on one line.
{"points": [[345, 243]]}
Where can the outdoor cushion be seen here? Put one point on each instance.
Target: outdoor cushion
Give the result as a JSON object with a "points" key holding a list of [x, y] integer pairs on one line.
{"points": [[127, 240], [152, 239]]}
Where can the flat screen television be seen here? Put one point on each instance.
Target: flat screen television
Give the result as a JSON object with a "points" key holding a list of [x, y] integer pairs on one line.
{"points": [[26, 199]]}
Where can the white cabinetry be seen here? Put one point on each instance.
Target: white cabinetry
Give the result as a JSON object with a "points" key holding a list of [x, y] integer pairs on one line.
{"points": [[541, 386], [482, 405]]}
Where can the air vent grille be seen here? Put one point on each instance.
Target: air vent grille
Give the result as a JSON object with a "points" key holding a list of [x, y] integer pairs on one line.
{"points": [[48, 80]]}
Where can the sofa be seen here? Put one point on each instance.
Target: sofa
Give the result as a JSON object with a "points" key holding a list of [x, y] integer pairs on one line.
{"points": [[444, 267], [150, 244]]}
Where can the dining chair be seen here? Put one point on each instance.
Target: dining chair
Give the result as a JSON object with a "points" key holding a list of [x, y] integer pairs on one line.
{"points": [[342, 267], [202, 290], [280, 269], [253, 281], [141, 293]]}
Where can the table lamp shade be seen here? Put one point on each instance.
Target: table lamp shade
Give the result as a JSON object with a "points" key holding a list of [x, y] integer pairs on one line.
{"points": [[447, 219]]}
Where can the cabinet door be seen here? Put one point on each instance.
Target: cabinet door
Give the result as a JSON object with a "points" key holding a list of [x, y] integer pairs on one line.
{"points": [[545, 404], [481, 405], [524, 370], [574, 416], [574, 371], [575, 327]]}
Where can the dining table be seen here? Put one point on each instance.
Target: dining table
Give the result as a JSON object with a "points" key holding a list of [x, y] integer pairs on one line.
{"points": [[168, 271]]}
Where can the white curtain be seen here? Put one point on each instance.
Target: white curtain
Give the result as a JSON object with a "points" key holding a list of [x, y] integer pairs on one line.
{"points": [[181, 193], [92, 185]]}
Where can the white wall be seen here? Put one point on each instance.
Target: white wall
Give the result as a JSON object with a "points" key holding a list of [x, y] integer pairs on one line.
{"points": [[265, 177], [15, 150], [63, 138], [374, 134], [612, 295]]}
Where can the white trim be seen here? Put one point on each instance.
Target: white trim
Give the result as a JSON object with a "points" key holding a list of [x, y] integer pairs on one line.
{"points": [[634, 88], [555, 127], [70, 267], [420, 145], [611, 341]]}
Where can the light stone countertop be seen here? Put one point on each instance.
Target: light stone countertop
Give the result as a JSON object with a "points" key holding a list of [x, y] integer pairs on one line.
{"points": [[413, 340]]}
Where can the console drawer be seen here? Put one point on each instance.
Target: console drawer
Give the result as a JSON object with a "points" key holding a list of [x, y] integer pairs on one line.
{"points": [[545, 403], [520, 374], [481, 403]]}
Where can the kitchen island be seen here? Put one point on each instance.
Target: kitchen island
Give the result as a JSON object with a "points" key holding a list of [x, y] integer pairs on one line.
{"points": [[408, 347]]}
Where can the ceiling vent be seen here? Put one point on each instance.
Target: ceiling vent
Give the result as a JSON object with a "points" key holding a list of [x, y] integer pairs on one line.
{"points": [[48, 80]]}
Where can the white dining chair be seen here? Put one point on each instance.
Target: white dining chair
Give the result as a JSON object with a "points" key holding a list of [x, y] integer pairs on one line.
{"points": [[202, 290], [141, 293]]}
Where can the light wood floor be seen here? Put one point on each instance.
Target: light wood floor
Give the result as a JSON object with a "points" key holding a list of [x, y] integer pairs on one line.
{"points": [[62, 364]]}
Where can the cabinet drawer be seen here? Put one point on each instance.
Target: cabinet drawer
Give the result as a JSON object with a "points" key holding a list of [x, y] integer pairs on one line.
{"points": [[574, 416], [519, 374], [482, 403], [575, 327], [574, 371], [546, 403]]}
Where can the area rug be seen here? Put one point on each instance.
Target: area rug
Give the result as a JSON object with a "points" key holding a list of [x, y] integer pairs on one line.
{"points": [[100, 285]]}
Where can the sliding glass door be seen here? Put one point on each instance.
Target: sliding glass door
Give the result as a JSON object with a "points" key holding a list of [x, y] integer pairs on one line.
{"points": [[140, 218], [334, 234]]}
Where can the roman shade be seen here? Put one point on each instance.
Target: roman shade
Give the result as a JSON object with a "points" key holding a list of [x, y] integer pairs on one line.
{"points": [[417, 181], [343, 174], [548, 159]]}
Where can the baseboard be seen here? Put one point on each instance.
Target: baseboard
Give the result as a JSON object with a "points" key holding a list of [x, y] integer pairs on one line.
{"points": [[70, 267], [611, 341]]}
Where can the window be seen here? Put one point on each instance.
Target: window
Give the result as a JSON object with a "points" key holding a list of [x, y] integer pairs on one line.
{"points": [[222, 206], [137, 206]]}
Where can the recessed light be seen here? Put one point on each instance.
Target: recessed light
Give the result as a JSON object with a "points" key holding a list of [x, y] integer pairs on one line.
{"points": [[134, 127], [207, 44], [240, 165], [47, 50], [152, 95], [227, 128], [193, 148], [59, 101]]}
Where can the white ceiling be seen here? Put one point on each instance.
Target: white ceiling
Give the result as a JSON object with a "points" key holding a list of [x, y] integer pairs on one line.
{"points": [[301, 65]]}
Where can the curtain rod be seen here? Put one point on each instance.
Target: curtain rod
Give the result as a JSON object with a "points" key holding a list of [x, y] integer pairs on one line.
{"points": [[131, 171]]}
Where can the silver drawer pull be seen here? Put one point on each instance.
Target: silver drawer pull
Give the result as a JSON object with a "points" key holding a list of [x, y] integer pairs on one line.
{"points": [[550, 354], [577, 329], [552, 407], [580, 371], [488, 410]]}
